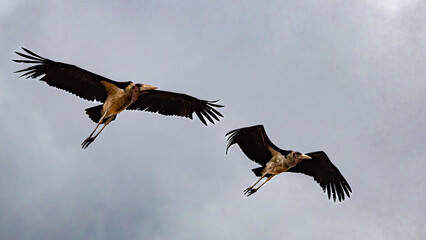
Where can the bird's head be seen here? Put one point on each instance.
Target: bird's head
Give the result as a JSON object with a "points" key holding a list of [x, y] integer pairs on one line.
{"points": [[137, 89], [143, 87], [298, 156]]}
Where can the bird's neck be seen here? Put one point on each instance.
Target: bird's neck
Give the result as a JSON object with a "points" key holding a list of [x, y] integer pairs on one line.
{"points": [[132, 94], [291, 162], [134, 97]]}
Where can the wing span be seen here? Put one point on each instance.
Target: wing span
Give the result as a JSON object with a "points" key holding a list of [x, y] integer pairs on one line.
{"points": [[254, 142], [177, 104], [70, 78], [325, 173]]}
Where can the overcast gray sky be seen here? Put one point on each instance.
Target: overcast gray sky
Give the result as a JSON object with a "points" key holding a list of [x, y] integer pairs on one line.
{"points": [[346, 77]]}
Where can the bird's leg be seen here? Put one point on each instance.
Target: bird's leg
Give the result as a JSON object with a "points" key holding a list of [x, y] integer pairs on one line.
{"points": [[89, 139], [252, 186], [106, 123], [254, 190], [99, 123]]}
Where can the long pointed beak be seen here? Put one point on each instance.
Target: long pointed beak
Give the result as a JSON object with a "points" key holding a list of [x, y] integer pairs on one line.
{"points": [[147, 87], [304, 156]]}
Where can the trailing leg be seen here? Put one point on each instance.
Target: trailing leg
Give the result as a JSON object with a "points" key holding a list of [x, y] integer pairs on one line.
{"points": [[249, 189], [254, 190], [90, 139]]}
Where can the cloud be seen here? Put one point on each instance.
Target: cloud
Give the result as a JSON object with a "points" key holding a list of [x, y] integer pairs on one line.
{"points": [[332, 76]]}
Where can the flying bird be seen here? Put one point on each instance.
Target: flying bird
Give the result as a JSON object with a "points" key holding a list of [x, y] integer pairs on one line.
{"points": [[256, 145], [115, 96]]}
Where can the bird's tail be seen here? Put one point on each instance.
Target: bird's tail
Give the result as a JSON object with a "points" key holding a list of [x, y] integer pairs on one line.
{"points": [[258, 171], [95, 114]]}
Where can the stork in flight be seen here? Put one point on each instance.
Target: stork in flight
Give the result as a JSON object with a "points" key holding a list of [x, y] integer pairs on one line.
{"points": [[256, 145], [115, 96]]}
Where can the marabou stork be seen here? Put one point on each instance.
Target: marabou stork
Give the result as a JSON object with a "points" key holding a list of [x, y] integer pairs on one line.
{"points": [[256, 145], [115, 96]]}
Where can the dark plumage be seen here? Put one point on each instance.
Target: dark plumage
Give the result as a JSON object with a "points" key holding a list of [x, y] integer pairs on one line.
{"points": [[256, 145], [115, 96]]}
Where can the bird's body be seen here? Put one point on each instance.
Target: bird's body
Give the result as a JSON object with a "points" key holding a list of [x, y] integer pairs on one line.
{"points": [[278, 164], [256, 145], [118, 99], [115, 96]]}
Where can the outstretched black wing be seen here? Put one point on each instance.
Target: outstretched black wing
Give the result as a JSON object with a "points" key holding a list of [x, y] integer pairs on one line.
{"points": [[325, 173], [177, 104], [254, 142], [67, 77]]}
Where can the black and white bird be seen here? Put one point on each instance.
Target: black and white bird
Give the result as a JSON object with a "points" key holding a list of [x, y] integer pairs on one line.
{"points": [[115, 96], [256, 145]]}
